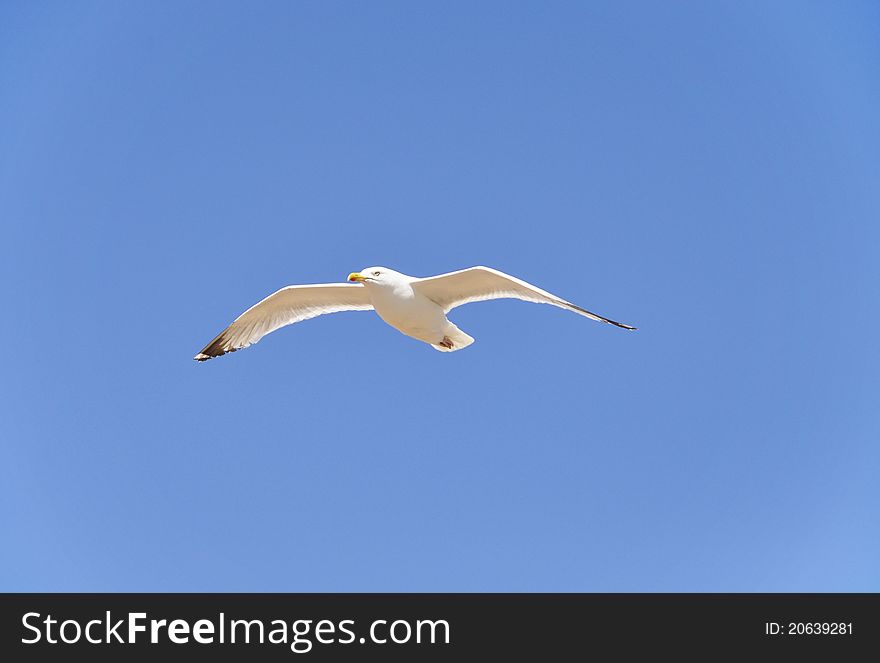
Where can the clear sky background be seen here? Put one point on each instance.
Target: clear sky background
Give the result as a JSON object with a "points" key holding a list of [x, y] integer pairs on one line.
{"points": [[707, 171]]}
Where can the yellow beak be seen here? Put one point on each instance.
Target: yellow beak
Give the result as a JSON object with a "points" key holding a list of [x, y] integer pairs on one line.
{"points": [[356, 276]]}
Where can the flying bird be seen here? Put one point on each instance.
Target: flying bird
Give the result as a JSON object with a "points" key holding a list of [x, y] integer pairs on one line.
{"points": [[414, 306]]}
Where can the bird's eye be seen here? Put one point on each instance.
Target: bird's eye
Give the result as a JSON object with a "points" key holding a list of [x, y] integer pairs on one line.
{"points": [[376, 273]]}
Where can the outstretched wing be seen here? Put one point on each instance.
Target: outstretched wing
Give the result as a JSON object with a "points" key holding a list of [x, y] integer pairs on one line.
{"points": [[294, 303], [481, 283]]}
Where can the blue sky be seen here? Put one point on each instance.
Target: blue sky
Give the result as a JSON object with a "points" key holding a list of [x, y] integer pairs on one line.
{"points": [[705, 171]]}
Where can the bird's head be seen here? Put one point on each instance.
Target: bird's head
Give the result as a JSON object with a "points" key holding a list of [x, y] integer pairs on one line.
{"points": [[377, 276]]}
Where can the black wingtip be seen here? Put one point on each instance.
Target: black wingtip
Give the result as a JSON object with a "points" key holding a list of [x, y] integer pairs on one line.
{"points": [[210, 353], [616, 324], [596, 316], [215, 348]]}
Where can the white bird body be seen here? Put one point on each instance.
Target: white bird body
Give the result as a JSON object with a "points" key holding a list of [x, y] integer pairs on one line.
{"points": [[409, 311], [416, 307]]}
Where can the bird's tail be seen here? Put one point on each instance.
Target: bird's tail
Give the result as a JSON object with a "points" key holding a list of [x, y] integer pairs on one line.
{"points": [[454, 339]]}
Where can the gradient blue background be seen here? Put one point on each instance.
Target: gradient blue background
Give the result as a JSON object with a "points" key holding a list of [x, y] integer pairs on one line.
{"points": [[705, 171]]}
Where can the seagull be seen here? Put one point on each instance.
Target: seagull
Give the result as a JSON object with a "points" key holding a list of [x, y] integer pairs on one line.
{"points": [[416, 307]]}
